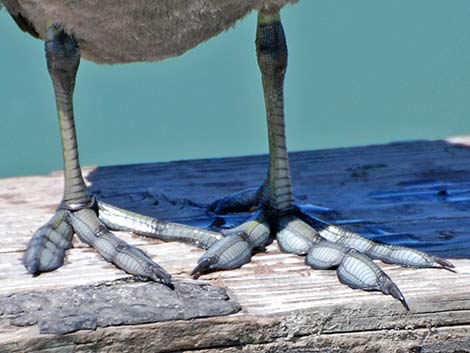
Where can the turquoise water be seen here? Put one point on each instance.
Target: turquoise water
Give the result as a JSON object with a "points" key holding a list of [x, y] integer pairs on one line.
{"points": [[359, 73]]}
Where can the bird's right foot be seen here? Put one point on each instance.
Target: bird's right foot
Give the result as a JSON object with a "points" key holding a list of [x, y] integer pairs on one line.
{"points": [[46, 250], [92, 223]]}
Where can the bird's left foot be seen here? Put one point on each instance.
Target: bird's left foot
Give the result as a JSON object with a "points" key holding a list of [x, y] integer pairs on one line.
{"points": [[325, 246]]}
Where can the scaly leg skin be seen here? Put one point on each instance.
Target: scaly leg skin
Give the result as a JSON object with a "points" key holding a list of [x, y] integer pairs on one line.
{"points": [[243, 201], [79, 211], [325, 246]]}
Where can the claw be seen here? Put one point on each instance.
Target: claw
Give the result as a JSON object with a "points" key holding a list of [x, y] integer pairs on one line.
{"points": [[151, 270], [445, 264], [400, 255], [203, 266], [359, 272], [158, 274], [388, 287], [131, 259]]}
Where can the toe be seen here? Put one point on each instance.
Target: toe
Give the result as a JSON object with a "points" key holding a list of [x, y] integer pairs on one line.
{"points": [[46, 249], [359, 272], [116, 218], [237, 245], [325, 255], [129, 258], [295, 236], [394, 254], [242, 201], [228, 253]]}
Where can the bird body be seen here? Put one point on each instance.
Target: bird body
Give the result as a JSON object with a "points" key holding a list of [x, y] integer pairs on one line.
{"points": [[122, 31]]}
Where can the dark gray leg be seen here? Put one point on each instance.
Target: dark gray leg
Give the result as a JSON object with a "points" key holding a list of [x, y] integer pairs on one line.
{"points": [[271, 49], [46, 249], [276, 191], [275, 196], [78, 212], [63, 59]]}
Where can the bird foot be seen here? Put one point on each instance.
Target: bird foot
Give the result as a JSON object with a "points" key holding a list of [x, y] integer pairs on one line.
{"points": [[325, 246], [46, 250]]}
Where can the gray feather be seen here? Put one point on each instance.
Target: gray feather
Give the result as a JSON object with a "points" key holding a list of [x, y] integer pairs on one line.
{"points": [[122, 31]]}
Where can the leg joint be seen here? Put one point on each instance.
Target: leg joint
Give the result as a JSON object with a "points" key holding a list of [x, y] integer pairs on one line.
{"points": [[271, 46], [62, 53], [73, 207]]}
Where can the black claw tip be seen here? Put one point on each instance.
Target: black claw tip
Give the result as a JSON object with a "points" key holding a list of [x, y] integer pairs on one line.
{"points": [[164, 278], [167, 282], [158, 274], [33, 268], [405, 304], [446, 264], [202, 266], [391, 288]]}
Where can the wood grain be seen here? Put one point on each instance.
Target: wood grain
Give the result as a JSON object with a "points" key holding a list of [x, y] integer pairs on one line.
{"points": [[411, 193]]}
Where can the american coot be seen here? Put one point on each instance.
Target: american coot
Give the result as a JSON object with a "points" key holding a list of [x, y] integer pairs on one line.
{"points": [[119, 31]]}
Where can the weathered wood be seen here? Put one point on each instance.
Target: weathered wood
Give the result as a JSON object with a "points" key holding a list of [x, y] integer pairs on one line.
{"points": [[414, 193], [124, 302]]}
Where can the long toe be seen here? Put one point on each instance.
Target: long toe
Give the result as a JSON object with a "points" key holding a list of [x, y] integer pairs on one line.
{"points": [[394, 254], [116, 218], [242, 201], [46, 249], [134, 260], [237, 246], [228, 253], [325, 255], [359, 272], [295, 236], [129, 258], [408, 257]]}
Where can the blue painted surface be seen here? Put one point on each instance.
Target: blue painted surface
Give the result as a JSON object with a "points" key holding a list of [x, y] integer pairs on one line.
{"points": [[362, 72]]}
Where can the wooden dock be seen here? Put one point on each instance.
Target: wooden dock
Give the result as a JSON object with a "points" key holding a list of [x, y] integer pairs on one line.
{"points": [[412, 193]]}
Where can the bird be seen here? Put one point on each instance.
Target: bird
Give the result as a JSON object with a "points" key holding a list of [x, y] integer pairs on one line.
{"points": [[119, 31]]}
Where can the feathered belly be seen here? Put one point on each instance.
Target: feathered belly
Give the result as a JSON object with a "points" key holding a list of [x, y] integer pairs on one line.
{"points": [[122, 31]]}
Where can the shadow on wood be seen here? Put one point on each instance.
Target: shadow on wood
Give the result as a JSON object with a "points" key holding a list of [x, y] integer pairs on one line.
{"points": [[412, 193]]}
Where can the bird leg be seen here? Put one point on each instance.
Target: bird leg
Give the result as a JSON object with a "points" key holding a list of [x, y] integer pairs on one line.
{"points": [[79, 211], [326, 246]]}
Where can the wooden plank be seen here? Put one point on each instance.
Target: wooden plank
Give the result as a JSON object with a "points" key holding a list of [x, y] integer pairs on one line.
{"points": [[413, 193]]}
